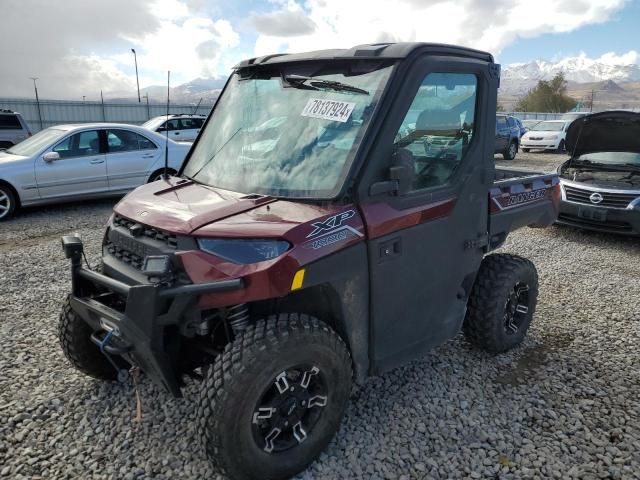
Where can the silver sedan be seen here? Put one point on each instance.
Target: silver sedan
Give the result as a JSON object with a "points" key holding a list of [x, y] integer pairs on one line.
{"points": [[77, 162]]}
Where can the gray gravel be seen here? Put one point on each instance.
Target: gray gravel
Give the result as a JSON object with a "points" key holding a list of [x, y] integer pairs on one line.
{"points": [[566, 404]]}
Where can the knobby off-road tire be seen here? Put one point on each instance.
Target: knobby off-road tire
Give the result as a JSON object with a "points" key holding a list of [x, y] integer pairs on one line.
{"points": [[84, 355], [242, 401], [502, 303]]}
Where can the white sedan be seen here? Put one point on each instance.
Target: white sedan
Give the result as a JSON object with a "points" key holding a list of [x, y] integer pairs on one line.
{"points": [[547, 135], [76, 162]]}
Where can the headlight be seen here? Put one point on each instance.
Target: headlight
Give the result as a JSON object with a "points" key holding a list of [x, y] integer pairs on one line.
{"points": [[553, 137], [244, 251]]}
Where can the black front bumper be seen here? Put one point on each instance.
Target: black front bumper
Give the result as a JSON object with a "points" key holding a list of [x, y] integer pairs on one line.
{"points": [[600, 219], [138, 326]]}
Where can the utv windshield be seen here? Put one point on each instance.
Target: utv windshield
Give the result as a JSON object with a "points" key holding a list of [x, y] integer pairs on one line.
{"points": [[287, 133]]}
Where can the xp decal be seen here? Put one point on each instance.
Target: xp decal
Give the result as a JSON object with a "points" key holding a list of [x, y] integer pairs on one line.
{"points": [[331, 223]]}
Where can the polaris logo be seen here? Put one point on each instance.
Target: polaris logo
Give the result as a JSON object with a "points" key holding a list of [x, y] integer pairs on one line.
{"points": [[331, 223]]}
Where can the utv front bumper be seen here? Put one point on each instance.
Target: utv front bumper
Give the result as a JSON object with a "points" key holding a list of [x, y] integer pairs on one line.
{"points": [[131, 320]]}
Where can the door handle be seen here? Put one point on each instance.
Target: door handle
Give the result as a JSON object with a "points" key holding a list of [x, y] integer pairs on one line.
{"points": [[148, 155], [96, 161], [176, 133]]}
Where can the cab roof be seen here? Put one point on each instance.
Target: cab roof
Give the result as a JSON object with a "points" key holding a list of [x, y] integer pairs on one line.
{"points": [[371, 51]]}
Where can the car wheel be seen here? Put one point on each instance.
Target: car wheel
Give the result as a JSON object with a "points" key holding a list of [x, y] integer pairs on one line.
{"points": [[526, 150], [75, 339], [510, 153], [159, 174], [7, 202], [561, 147], [502, 303], [274, 398]]}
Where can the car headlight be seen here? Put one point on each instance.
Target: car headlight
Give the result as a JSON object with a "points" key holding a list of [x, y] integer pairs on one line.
{"points": [[553, 137], [244, 251]]}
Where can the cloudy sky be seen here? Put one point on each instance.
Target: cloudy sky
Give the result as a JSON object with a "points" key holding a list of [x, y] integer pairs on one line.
{"points": [[77, 47]]}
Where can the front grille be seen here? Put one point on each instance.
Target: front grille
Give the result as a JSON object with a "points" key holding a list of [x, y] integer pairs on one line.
{"points": [[125, 255], [613, 200], [607, 225], [153, 233]]}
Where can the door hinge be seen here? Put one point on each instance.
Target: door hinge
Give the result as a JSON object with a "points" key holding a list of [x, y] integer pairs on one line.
{"points": [[481, 241]]}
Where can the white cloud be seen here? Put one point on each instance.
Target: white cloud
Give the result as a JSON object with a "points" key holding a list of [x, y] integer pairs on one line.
{"points": [[489, 25], [611, 58]]}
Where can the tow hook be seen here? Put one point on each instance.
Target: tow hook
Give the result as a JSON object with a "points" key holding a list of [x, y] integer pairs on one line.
{"points": [[108, 350]]}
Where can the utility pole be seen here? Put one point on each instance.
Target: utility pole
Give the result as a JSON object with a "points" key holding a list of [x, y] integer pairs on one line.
{"points": [[104, 115], [35, 87], [146, 96], [135, 59], [593, 94]]}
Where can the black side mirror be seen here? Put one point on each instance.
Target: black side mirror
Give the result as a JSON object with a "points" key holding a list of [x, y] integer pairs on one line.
{"points": [[401, 174]]}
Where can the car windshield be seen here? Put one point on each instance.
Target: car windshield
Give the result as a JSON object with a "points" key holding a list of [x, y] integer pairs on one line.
{"points": [[34, 144], [612, 158], [286, 134], [548, 126], [154, 122]]}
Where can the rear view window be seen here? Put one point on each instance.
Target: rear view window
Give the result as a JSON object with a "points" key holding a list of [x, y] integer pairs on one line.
{"points": [[10, 122]]}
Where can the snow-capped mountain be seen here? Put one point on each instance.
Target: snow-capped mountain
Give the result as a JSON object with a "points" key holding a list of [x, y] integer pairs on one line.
{"points": [[520, 77]]}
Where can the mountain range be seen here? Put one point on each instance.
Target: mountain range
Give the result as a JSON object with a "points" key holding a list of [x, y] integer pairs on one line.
{"points": [[617, 85]]}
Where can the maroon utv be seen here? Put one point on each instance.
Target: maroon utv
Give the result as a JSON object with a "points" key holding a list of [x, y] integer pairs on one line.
{"points": [[312, 238]]}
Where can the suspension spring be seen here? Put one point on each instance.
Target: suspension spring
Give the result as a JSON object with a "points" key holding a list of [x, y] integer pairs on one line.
{"points": [[238, 317]]}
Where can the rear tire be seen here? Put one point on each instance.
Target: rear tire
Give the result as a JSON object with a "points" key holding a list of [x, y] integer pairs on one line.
{"points": [[254, 415], [84, 355], [502, 303], [8, 202], [511, 151]]}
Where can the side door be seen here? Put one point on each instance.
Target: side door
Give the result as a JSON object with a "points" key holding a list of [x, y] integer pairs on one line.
{"points": [[189, 128], [173, 125], [81, 169], [130, 156], [425, 244]]}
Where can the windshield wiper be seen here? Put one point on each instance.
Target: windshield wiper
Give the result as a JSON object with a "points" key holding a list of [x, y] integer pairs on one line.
{"points": [[299, 81]]}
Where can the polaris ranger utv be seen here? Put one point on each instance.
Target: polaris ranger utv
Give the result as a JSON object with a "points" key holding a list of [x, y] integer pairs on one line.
{"points": [[311, 239]]}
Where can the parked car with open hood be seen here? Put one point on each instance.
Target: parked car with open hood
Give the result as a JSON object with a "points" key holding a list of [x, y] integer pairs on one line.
{"points": [[546, 135], [601, 180], [76, 162]]}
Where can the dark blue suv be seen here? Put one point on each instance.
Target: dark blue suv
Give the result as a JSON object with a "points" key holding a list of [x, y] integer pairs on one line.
{"points": [[508, 134]]}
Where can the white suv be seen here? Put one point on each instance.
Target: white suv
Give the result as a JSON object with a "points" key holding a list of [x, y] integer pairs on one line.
{"points": [[182, 127], [13, 129]]}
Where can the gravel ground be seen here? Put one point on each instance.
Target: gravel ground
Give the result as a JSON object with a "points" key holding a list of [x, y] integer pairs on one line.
{"points": [[566, 404]]}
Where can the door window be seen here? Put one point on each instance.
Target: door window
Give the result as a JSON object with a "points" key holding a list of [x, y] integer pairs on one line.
{"points": [[127, 141], [502, 122], [189, 124], [81, 144], [439, 127], [10, 122]]}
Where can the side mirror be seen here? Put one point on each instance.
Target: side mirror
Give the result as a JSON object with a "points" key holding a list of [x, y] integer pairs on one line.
{"points": [[51, 157], [401, 173], [161, 129]]}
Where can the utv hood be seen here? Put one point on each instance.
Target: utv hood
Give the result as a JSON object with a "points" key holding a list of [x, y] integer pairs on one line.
{"points": [[184, 207], [614, 131]]}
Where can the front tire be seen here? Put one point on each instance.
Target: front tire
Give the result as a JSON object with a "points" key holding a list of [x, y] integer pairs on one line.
{"points": [[561, 147], [75, 339], [7, 202], [502, 303], [274, 398]]}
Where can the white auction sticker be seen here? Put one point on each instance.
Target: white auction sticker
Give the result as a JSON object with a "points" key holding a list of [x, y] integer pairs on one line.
{"points": [[328, 109]]}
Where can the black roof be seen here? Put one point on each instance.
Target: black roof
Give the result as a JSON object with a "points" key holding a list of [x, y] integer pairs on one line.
{"points": [[377, 51]]}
